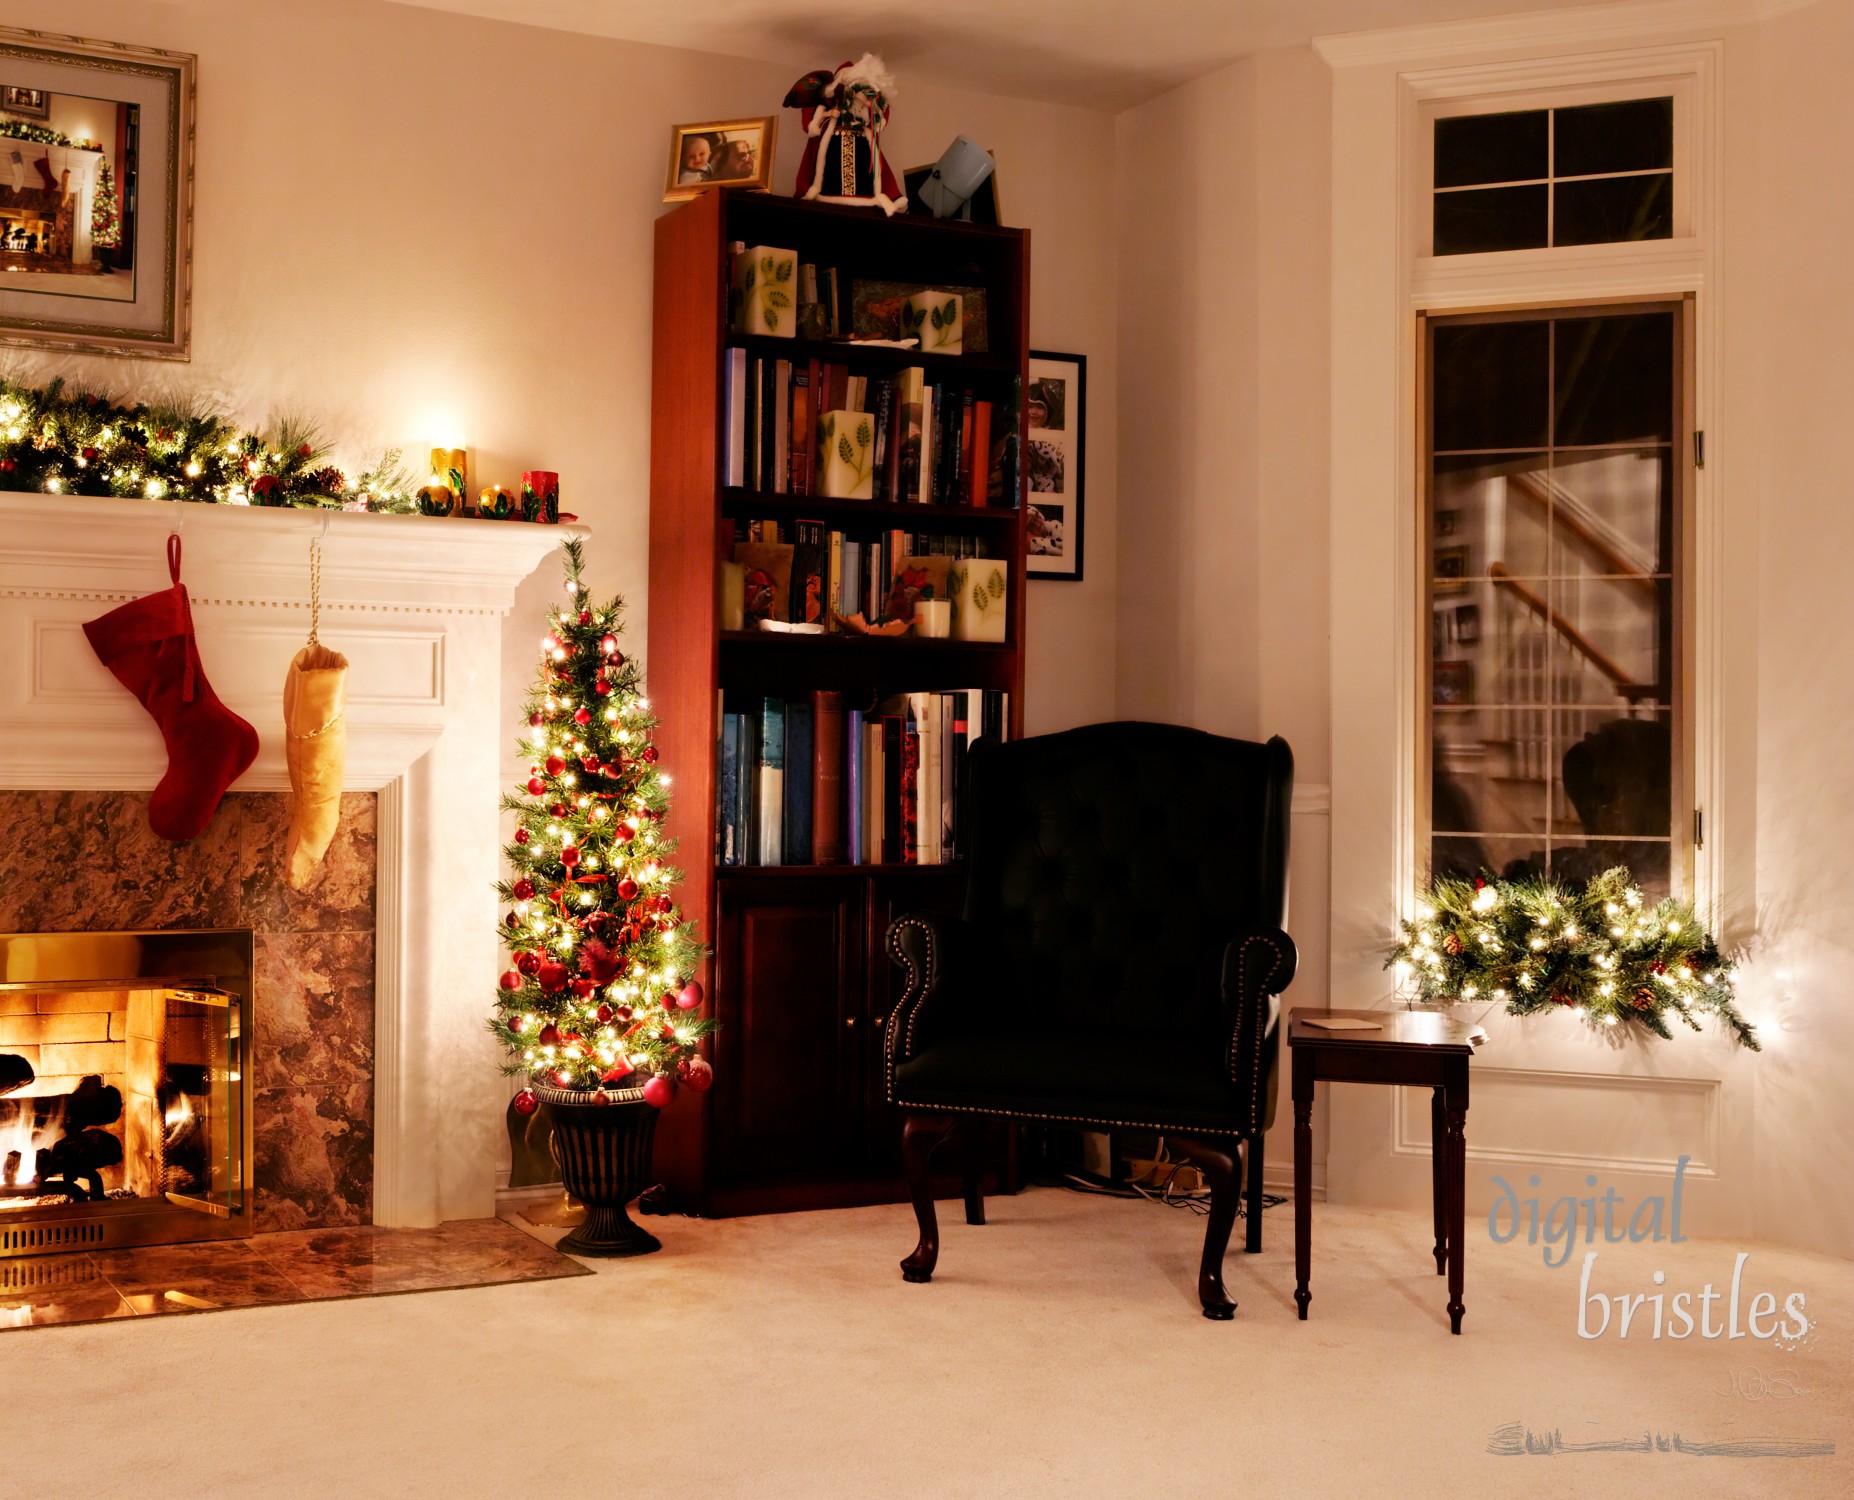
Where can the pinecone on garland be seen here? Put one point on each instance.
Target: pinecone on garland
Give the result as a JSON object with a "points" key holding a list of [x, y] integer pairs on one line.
{"points": [[326, 481], [1643, 999], [1452, 945]]}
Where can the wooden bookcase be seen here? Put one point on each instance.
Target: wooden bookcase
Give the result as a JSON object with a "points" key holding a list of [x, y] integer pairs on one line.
{"points": [[798, 977]]}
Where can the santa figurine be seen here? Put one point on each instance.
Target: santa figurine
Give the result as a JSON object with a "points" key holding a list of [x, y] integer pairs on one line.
{"points": [[844, 114]]}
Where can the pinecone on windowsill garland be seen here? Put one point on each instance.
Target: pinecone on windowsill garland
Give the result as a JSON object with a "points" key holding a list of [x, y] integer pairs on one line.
{"points": [[1601, 948]]}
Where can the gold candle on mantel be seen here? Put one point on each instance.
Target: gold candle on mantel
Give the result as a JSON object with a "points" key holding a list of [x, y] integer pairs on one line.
{"points": [[450, 465]]}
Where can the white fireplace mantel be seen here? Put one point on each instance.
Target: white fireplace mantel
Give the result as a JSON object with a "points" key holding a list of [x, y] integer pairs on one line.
{"points": [[417, 605]]}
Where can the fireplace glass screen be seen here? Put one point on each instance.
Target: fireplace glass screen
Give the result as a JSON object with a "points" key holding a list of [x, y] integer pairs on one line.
{"points": [[124, 1101]]}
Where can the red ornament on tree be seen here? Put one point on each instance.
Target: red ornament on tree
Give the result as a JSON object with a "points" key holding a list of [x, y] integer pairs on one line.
{"points": [[627, 889], [585, 617], [528, 963], [550, 1035], [555, 765], [659, 1091], [584, 988], [650, 755], [535, 787], [609, 645], [553, 976], [690, 996], [582, 716], [521, 835], [510, 980], [526, 1102], [537, 719], [569, 856], [523, 889], [559, 809], [697, 1072], [602, 687], [605, 1014]]}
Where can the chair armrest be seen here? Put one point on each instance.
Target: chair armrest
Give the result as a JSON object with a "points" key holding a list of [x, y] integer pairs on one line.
{"points": [[926, 949], [1257, 967]]}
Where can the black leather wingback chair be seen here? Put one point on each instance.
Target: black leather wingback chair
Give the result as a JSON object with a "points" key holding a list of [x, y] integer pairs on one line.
{"points": [[1117, 965]]}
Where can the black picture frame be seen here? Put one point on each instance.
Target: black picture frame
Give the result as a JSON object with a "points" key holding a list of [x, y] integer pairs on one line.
{"points": [[1055, 464]]}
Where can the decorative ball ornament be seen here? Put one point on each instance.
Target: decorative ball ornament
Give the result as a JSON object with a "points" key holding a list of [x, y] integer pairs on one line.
{"points": [[624, 833], [553, 976], [605, 1014], [584, 988], [535, 787], [558, 809], [590, 765], [690, 995], [510, 980], [555, 765], [526, 1102], [536, 720], [521, 835], [658, 1091], [582, 716], [585, 617], [523, 889], [627, 889], [528, 963], [569, 856], [550, 1035], [650, 755], [697, 1072], [609, 645]]}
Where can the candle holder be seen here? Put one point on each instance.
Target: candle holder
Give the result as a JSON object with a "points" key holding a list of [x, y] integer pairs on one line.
{"points": [[497, 503]]}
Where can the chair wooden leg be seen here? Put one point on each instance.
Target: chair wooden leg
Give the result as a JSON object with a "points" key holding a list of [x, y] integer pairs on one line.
{"points": [[920, 1134], [972, 1137], [1214, 1159], [1252, 1200]]}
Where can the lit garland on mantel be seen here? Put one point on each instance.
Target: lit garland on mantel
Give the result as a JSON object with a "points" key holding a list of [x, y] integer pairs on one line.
{"points": [[1599, 948], [87, 444]]}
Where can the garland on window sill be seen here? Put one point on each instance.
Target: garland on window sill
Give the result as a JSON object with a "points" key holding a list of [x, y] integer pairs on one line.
{"points": [[1599, 948], [87, 444]]}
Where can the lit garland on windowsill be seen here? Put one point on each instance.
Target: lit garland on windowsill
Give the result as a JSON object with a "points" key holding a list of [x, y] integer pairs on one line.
{"points": [[1599, 948], [87, 444]]}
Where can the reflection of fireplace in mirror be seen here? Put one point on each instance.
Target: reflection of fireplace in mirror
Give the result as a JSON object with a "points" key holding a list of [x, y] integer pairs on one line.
{"points": [[29, 239], [125, 1109]]}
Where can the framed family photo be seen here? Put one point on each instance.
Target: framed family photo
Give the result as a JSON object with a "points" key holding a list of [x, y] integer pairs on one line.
{"points": [[727, 153], [96, 196], [1055, 433]]}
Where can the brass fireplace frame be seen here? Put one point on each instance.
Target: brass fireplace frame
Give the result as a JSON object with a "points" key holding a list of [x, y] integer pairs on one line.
{"points": [[221, 961]]}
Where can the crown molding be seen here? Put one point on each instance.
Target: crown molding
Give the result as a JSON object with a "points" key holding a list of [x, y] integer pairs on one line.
{"points": [[1586, 25]]}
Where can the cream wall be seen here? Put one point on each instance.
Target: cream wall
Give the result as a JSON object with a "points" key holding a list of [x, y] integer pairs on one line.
{"points": [[410, 223], [1224, 282]]}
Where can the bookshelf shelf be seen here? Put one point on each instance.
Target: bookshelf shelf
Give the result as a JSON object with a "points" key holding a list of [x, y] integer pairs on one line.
{"points": [[799, 979], [989, 519]]}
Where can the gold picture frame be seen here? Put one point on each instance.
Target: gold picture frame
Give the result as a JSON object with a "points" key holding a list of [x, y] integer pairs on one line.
{"points": [[734, 154], [69, 280]]}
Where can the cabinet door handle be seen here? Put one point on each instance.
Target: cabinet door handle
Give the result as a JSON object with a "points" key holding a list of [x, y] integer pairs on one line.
{"points": [[881, 1021]]}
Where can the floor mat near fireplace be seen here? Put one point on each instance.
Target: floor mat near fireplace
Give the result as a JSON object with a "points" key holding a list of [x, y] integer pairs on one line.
{"points": [[270, 1270]]}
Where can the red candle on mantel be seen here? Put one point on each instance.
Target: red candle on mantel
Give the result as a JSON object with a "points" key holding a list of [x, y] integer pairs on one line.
{"points": [[540, 496]]}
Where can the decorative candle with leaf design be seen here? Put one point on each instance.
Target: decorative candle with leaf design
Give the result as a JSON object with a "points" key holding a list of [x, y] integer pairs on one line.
{"points": [[981, 590], [937, 319], [846, 451], [766, 280], [450, 467]]}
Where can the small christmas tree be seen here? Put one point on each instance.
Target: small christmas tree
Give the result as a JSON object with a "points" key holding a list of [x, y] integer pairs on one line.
{"points": [[105, 215], [600, 995]]}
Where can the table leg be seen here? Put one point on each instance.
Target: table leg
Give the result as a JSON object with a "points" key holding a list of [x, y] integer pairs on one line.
{"points": [[1303, 1178], [1457, 1112], [1438, 1178]]}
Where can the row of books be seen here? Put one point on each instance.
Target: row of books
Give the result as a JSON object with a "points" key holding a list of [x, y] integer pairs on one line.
{"points": [[836, 574], [934, 443], [809, 781]]}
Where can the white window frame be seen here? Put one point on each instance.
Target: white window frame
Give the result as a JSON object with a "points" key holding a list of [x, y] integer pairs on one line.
{"points": [[1686, 264]]}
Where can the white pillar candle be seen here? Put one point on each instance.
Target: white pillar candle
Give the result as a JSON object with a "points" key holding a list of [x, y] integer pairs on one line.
{"points": [[937, 319], [981, 589], [767, 280], [846, 455]]}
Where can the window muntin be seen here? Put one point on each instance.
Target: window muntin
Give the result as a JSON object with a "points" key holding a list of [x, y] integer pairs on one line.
{"points": [[1574, 175], [1553, 698]]}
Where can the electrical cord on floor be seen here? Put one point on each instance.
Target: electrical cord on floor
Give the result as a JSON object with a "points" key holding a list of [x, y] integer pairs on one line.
{"points": [[1166, 1191]]}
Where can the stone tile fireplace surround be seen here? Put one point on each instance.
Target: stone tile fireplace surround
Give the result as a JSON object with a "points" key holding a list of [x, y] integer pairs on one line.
{"points": [[376, 1090]]}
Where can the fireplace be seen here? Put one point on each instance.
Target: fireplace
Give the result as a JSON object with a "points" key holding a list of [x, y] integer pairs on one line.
{"points": [[125, 1088]]}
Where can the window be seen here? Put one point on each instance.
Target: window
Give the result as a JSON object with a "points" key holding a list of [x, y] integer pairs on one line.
{"points": [[1554, 522], [1586, 174]]}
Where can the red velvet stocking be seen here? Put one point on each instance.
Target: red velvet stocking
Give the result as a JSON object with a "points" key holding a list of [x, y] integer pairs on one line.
{"points": [[149, 645], [45, 171]]}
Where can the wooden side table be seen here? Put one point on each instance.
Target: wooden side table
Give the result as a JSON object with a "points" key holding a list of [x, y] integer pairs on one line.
{"points": [[1417, 1048]]}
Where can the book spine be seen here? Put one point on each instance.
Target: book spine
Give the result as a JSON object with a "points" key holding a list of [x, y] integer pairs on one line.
{"points": [[980, 490], [879, 459], [893, 776], [734, 438], [796, 833], [779, 461], [909, 793], [747, 793], [728, 821], [833, 587], [963, 489], [875, 793], [855, 756], [923, 488], [827, 778], [772, 782]]}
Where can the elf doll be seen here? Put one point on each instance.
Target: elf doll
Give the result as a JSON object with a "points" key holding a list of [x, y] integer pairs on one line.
{"points": [[844, 114]]}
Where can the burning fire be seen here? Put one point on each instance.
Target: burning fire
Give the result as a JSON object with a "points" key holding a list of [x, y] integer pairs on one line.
{"points": [[21, 1140]]}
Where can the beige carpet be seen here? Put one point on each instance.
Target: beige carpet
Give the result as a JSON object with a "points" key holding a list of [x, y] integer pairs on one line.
{"points": [[1058, 1352]]}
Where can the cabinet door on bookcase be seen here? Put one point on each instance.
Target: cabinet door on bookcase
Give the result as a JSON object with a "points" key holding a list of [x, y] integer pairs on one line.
{"points": [[789, 1053], [926, 890]]}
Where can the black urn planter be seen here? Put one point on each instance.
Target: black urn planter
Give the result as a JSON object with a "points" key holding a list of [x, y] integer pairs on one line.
{"points": [[604, 1156]]}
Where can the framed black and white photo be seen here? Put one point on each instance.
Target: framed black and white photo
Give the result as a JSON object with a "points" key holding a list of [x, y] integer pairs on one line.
{"points": [[96, 207], [1055, 432]]}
